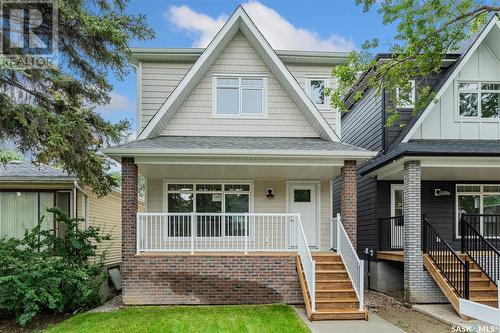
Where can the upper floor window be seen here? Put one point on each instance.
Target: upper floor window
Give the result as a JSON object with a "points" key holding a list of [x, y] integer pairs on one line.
{"points": [[406, 101], [316, 89], [239, 96], [479, 100]]}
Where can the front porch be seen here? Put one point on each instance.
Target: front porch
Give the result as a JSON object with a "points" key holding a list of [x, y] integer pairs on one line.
{"points": [[241, 220]]}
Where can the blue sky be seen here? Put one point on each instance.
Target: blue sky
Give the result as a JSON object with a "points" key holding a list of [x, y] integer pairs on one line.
{"points": [[333, 25]]}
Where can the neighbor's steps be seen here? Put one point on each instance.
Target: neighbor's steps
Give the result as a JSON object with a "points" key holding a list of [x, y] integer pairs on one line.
{"points": [[336, 298]]}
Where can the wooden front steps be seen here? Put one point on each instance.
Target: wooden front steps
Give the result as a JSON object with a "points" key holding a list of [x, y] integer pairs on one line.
{"points": [[336, 298], [481, 289]]}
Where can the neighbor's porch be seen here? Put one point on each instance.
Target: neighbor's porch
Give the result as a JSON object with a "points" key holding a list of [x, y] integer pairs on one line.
{"points": [[448, 189]]}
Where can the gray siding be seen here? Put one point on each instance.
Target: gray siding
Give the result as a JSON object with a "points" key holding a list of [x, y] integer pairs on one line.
{"points": [[362, 126]]}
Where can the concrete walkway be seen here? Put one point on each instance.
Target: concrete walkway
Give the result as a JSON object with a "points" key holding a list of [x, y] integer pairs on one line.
{"points": [[372, 325], [447, 314]]}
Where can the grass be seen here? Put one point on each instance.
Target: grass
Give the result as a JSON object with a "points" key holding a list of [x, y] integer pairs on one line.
{"points": [[179, 319]]}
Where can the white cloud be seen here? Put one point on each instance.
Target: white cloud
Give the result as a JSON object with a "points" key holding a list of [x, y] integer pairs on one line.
{"points": [[279, 32], [119, 104]]}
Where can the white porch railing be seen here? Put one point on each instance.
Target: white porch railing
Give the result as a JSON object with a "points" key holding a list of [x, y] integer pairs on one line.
{"points": [[352, 262], [308, 264], [202, 232]]}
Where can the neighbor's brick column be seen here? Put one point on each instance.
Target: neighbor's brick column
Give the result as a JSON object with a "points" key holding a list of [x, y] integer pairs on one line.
{"points": [[129, 210], [349, 200], [419, 285]]}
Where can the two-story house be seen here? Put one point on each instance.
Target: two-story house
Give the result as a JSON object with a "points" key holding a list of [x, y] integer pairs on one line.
{"points": [[431, 198], [239, 148]]}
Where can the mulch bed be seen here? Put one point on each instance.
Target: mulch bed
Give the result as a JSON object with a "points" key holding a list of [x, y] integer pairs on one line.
{"points": [[8, 322]]}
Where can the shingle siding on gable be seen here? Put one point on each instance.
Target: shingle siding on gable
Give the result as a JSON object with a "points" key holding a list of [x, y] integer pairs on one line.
{"points": [[301, 72], [284, 119], [443, 122], [157, 81]]}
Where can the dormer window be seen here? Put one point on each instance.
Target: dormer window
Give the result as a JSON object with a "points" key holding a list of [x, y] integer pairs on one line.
{"points": [[479, 100], [239, 96], [406, 102], [315, 89]]}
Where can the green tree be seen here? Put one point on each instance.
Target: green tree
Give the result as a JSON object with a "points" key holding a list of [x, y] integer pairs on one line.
{"points": [[426, 31], [50, 113]]}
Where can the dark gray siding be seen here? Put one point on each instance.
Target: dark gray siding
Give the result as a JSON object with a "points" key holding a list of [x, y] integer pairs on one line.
{"points": [[362, 126]]}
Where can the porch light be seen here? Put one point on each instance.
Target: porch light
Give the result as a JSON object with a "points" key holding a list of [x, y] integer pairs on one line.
{"points": [[440, 193], [270, 193]]}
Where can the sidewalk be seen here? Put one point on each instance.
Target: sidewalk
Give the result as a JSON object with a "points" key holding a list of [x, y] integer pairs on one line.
{"points": [[373, 324]]}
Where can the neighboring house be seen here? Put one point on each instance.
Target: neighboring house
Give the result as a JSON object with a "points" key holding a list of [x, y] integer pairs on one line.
{"points": [[27, 190], [238, 145], [443, 163]]}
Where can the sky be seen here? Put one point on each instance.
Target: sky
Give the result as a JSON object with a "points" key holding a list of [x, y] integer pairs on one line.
{"points": [[327, 25]]}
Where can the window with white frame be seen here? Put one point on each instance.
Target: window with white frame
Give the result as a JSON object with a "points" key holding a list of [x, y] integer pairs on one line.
{"points": [[478, 199], [316, 90], [479, 100], [236, 96], [407, 100], [208, 200]]}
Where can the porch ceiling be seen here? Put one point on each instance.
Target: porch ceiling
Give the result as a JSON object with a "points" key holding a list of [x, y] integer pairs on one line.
{"points": [[234, 172], [446, 168]]}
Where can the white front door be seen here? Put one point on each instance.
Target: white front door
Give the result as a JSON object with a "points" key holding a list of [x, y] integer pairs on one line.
{"points": [[302, 200]]}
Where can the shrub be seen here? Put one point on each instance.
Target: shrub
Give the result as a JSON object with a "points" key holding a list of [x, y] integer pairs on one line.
{"points": [[43, 272]]}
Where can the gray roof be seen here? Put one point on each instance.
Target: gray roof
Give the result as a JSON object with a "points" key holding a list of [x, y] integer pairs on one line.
{"points": [[435, 147], [28, 171], [238, 143]]}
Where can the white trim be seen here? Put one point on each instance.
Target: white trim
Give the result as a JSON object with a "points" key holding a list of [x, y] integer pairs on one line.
{"points": [[394, 188], [479, 40], [240, 88], [363, 154], [481, 195], [326, 84], [317, 185], [478, 92], [411, 103], [239, 21], [139, 97]]}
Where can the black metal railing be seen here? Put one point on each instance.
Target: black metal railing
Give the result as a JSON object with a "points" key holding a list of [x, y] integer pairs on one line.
{"points": [[487, 225], [391, 234], [479, 249], [454, 269]]}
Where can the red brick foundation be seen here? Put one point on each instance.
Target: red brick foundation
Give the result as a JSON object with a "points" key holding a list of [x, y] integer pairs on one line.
{"points": [[205, 279], [349, 200]]}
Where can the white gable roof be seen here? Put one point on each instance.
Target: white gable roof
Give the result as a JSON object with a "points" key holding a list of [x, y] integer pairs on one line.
{"points": [[494, 23], [239, 21]]}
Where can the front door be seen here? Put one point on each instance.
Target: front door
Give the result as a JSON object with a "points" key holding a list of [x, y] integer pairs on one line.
{"points": [[302, 200]]}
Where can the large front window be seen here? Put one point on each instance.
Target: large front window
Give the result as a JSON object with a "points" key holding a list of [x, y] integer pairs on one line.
{"points": [[22, 210], [479, 100], [209, 200], [239, 96], [477, 200]]}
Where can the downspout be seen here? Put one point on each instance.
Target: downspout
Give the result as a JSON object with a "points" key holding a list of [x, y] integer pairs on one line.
{"points": [[384, 119], [85, 209]]}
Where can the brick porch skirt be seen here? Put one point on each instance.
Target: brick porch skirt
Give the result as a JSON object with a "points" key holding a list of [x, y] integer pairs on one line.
{"points": [[210, 279]]}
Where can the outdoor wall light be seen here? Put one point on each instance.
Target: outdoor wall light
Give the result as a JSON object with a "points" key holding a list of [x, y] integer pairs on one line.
{"points": [[270, 193], [440, 193]]}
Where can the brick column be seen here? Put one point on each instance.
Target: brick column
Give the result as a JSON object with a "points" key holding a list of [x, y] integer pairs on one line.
{"points": [[349, 200], [129, 209], [419, 285]]}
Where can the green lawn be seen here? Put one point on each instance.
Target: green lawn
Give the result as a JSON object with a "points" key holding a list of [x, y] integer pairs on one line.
{"points": [[179, 319]]}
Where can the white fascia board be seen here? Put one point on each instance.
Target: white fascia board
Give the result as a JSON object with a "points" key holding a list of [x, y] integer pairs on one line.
{"points": [[238, 152], [437, 162], [472, 49], [195, 69], [233, 24]]}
